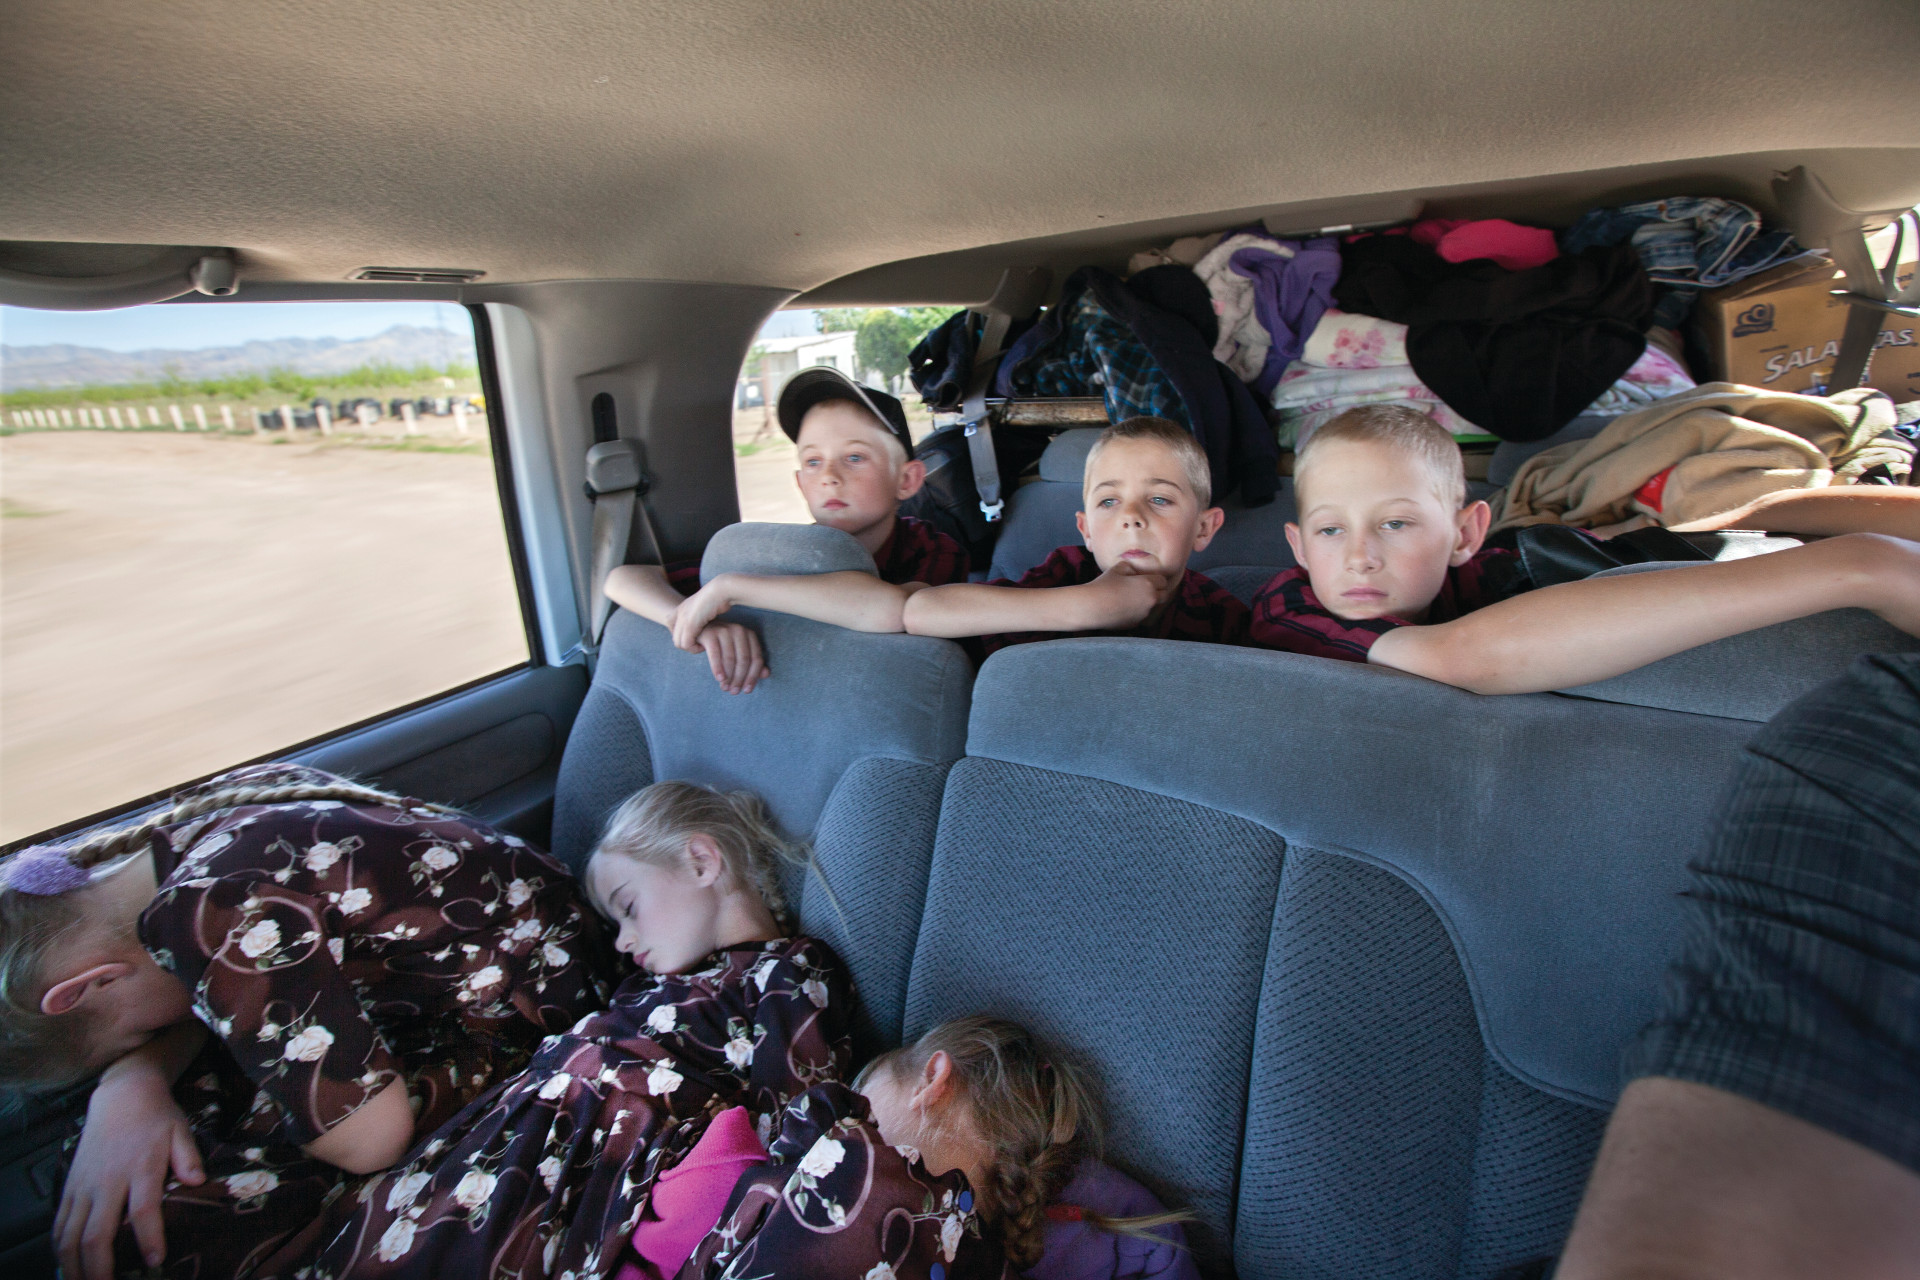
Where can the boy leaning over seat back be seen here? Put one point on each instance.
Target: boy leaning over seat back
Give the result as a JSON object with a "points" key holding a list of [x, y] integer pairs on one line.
{"points": [[856, 468], [1392, 571], [1147, 498]]}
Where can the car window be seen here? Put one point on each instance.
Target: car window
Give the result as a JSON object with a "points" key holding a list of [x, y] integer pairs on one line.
{"points": [[231, 528], [868, 344]]}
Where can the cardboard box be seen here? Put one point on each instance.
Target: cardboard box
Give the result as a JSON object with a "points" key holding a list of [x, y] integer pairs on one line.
{"points": [[1781, 330]]}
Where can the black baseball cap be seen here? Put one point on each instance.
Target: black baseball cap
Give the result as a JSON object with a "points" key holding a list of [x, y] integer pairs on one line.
{"points": [[820, 384]]}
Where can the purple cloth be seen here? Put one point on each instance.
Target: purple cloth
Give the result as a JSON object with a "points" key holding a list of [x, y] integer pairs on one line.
{"points": [[1289, 297], [1078, 1251]]}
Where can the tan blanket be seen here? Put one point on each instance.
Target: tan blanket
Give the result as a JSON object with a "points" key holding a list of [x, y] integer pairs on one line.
{"points": [[1720, 446]]}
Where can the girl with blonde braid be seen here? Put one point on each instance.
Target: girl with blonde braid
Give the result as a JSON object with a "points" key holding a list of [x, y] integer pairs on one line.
{"points": [[970, 1153], [279, 980]]}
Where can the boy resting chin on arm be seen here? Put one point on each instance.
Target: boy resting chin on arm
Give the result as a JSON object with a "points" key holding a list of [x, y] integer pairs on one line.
{"points": [[1392, 572], [856, 468], [1147, 499]]}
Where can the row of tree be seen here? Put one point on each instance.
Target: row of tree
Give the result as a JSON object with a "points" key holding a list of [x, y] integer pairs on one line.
{"points": [[882, 336], [243, 386]]}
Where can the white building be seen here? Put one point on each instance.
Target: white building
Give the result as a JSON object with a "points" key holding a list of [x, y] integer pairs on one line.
{"points": [[781, 358]]}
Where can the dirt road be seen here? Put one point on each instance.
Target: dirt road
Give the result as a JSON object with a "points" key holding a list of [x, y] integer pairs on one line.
{"points": [[170, 604]]}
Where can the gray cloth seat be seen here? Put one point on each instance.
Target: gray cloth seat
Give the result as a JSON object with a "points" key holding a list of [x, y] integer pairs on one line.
{"points": [[849, 742], [1357, 972], [1754, 675]]}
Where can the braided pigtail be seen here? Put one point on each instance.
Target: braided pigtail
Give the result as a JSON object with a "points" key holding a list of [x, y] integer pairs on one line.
{"points": [[654, 824], [1037, 1113], [38, 907]]}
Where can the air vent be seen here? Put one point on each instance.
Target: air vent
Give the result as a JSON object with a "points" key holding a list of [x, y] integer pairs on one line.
{"points": [[417, 275]]}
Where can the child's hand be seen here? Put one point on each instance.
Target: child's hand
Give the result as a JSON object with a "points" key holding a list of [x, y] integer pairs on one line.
{"points": [[1124, 597], [733, 651], [134, 1134]]}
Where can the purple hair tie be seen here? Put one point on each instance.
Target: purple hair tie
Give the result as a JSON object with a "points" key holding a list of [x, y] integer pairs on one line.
{"points": [[43, 869]]}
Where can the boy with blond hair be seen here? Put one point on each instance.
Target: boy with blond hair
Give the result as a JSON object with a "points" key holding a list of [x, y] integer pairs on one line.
{"points": [[1148, 507], [1392, 571], [856, 466]]}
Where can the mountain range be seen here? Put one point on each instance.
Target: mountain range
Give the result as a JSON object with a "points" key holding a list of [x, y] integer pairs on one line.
{"points": [[66, 365]]}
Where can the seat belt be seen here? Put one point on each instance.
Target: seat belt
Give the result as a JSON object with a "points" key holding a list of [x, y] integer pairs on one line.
{"points": [[1819, 221], [616, 484], [1018, 293], [1871, 294]]}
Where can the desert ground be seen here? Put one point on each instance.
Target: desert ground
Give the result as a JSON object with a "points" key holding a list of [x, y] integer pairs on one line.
{"points": [[174, 603]]}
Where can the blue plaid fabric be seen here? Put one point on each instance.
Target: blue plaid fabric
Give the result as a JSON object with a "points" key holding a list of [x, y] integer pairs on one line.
{"points": [[1686, 244], [1799, 987], [1097, 355]]}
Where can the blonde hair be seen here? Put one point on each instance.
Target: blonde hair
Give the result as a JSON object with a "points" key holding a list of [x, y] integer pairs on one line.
{"points": [[1038, 1114], [653, 825], [1193, 459], [40, 1050], [1401, 429]]}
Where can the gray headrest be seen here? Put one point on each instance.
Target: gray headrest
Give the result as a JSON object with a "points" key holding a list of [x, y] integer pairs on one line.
{"points": [[783, 549], [1754, 675], [1065, 460]]}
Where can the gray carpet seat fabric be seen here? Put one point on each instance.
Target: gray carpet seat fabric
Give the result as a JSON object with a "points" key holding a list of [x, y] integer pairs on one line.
{"points": [[1356, 972], [849, 742], [1754, 675]]}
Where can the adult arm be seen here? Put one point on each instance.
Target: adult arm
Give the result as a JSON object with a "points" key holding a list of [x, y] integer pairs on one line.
{"points": [[1117, 599], [1694, 1182], [1867, 508], [733, 652], [133, 1136], [1578, 632]]}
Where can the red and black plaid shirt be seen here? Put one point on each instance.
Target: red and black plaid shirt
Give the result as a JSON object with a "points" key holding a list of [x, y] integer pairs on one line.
{"points": [[914, 552], [1201, 609], [1287, 615]]}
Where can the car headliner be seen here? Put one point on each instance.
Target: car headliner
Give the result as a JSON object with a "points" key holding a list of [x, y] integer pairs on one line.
{"points": [[805, 144]]}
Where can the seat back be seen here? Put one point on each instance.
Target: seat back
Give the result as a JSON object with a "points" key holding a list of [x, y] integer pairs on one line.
{"points": [[848, 741], [1459, 909]]}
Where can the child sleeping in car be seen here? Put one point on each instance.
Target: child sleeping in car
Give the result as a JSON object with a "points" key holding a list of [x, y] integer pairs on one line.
{"points": [[1392, 571]]}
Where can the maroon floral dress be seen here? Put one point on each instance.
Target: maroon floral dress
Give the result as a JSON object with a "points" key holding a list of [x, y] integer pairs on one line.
{"points": [[548, 1174], [836, 1200], [333, 948]]}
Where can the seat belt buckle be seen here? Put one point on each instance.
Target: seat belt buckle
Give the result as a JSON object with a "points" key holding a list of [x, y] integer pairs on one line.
{"points": [[992, 510]]}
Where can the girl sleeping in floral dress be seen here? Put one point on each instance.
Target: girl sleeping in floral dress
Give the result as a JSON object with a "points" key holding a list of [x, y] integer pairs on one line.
{"points": [[366, 965], [700, 1125]]}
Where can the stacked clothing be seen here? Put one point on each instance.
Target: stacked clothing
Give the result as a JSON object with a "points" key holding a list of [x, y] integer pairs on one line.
{"points": [[1703, 452], [1268, 294], [1352, 360], [1145, 345], [1687, 244], [1517, 353]]}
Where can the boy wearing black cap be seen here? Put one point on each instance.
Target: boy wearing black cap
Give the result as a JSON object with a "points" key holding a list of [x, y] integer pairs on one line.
{"points": [[856, 468]]}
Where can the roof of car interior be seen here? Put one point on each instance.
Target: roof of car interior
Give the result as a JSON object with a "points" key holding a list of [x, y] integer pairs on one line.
{"points": [[875, 151]]}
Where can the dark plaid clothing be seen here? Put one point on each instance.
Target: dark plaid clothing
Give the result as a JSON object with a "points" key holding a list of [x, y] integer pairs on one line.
{"points": [[1287, 615], [1799, 987], [1200, 610], [917, 552], [914, 552], [1102, 357]]}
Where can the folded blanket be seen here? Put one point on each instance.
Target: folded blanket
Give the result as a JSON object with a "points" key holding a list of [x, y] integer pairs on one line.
{"points": [[1694, 455]]}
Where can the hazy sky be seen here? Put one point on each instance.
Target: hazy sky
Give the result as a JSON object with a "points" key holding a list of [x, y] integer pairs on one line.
{"points": [[190, 327]]}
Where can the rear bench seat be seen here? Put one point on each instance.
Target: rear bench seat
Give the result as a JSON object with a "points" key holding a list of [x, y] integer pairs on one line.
{"points": [[1356, 971], [849, 742]]}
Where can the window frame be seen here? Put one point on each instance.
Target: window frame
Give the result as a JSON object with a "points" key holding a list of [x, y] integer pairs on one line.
{"points": [[507, 493]]}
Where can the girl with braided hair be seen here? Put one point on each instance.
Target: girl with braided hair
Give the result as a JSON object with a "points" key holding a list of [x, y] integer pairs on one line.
{"points": [[969, 1153], [278, 980]]}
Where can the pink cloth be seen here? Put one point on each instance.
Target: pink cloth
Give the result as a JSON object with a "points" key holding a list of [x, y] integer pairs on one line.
{"points": [[1513, 246], [688, 1199]]}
